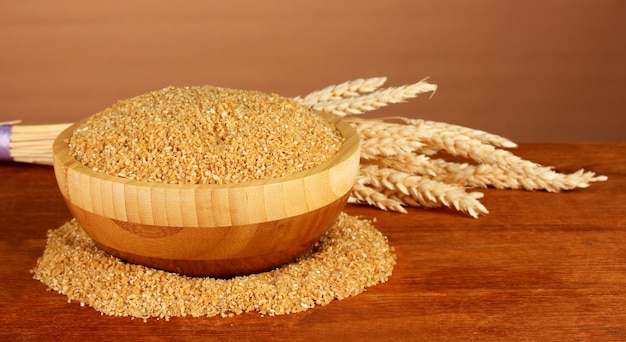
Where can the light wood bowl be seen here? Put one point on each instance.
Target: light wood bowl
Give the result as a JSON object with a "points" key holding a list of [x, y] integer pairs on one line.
{"points": [[208, 230]]}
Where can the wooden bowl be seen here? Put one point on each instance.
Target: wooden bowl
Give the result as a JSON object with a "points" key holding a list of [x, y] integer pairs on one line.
{"points": [[208, 230]]}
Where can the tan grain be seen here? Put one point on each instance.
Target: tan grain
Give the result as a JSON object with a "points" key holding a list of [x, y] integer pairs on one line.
{"points": [[204, 135], [350, 257]]}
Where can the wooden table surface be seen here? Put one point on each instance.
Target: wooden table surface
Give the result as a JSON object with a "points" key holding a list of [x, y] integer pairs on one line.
{"points": [[540, 266]]}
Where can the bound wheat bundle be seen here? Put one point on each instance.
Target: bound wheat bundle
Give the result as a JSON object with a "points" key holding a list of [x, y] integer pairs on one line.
{"points": [[401, 158], [28, 143]]}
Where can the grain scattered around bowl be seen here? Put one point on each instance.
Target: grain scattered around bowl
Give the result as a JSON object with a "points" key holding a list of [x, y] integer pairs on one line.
{"points": [[204, 135], [350, 257]]}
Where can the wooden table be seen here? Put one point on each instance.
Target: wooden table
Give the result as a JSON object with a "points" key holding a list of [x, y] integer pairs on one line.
{"points": [[540, 266]]}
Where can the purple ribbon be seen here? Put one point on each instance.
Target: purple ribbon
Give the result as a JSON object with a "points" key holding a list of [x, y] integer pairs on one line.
{"points": [[5, 143]]}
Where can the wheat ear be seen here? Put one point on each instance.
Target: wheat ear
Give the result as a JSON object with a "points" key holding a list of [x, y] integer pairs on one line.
{"points": [[374, 100], [343, 90], [379, 139], [421, 190], [362, 193], [535, 178], [468, 147], [434, 128], [529, 175], [413, 163]]}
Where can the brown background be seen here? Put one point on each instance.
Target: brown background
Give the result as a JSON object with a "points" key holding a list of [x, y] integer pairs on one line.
{"points": [[534, 71]]}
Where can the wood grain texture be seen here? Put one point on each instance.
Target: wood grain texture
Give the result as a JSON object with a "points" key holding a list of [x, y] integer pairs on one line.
{"points": [[540, 266]]}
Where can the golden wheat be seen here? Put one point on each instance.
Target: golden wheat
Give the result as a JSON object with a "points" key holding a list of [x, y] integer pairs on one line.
{"points": [[435, 128], [362, 193], [343, 90], [422, 191], [379, 139], [396, 168], [374, 100], [418, 164], [534, 178]]}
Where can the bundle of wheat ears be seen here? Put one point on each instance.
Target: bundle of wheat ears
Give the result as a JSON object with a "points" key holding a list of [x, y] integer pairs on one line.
{"points": [[402, 161], [28, 143], [401, 158]]}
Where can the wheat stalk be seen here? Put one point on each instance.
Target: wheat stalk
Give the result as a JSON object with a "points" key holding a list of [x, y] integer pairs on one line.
{"points": [[28, 143]]}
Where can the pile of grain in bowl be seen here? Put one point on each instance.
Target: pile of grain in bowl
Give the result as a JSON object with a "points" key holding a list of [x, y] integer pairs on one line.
{"points": [[204, 135], [350, 257]]}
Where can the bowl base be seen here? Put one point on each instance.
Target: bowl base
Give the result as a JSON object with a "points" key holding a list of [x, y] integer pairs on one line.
{"points": [[220, 252]]}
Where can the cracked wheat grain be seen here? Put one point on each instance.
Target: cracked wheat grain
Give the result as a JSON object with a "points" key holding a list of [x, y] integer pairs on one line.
{"points": [[350, 257], [204, 135]]}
